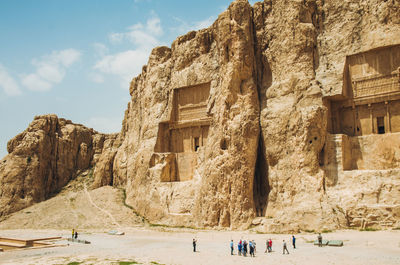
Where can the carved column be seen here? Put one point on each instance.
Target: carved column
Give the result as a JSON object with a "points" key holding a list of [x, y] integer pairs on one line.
{"points": [[338, 121], [371, 118], [354, 89], [353, 107], [388, 125], [201, 136]]}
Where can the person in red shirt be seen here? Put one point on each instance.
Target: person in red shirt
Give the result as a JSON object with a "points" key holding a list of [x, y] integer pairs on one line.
{"points": [[270, 245]]}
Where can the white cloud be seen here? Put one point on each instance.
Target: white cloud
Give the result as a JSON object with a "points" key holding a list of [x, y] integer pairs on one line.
{"points": [[65, 57], [10, 87], [129, 63], [50, 69], [139, 34], [51, 73], [100, 49], [124, 64], [116, 38], [96, 78], [35, 83], [105, 124], [142, 38], [154, 26]]}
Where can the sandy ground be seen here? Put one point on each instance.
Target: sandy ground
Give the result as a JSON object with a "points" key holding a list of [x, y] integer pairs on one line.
{"points": [[175, 247], [94, 209]]}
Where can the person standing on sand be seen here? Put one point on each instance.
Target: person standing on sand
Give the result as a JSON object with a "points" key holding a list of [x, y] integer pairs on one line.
{"points": [[73, 232], [251, 248], [240, 248], [270, 245], [76, 235], [194, 245], [293, 241], [244, 248], [319, 240], [285, 248], [231, 247]]}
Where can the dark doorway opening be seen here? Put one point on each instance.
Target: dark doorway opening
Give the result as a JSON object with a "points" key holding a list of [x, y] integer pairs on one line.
{"points": [[381, 125], [261, 187], [196, 143]]}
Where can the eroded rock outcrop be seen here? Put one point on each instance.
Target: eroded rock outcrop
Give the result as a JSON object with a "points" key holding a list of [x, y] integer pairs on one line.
{"points": [[269, 68], [272, 117], [42, 159], [103, 171]]}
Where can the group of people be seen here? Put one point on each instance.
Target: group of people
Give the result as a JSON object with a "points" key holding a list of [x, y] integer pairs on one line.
{"points": [[74, 234], [242, 248], [268, 245], [285, 246]]}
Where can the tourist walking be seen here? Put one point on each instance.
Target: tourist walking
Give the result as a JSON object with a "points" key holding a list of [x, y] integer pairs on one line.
{"points": [[73, 233], [240, 248], [194, 245], [244, 248], [76, 234], [254, 246], [319, 240], [270, 245], [285, 248], [293, 241], [231, 247], [251, 248]]}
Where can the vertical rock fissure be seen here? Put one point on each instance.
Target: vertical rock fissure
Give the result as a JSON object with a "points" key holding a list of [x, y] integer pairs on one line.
{"points": [[262, 75], [261, 187]]}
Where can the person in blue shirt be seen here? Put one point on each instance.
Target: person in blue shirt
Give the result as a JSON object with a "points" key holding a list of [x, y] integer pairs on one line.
{"points": [[251, 246], [294, 241], [231, 247], [240, 248]]}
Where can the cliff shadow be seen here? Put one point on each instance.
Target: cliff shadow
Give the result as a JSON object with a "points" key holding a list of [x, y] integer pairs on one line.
{"points": [[261, 186]]}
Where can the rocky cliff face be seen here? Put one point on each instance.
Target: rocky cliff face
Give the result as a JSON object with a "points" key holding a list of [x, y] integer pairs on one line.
{"points": [[269, 67], [43, 158], [229, 126]]}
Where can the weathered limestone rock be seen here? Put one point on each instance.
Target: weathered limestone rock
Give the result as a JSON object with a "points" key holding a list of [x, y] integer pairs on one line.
{"points": [[302, 59], [223, 57], [103, 171], [268, 129], [42, 159], [272, 117]]}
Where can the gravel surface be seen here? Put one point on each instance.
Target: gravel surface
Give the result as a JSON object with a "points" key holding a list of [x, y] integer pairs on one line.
{"points": [[148, 246]]}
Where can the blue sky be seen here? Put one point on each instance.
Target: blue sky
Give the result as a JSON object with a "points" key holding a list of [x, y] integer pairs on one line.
{"points": [[76, 58]]}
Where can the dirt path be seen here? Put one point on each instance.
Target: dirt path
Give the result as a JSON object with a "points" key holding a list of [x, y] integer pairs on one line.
{"points": [[81, 209], [100, 209]]}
